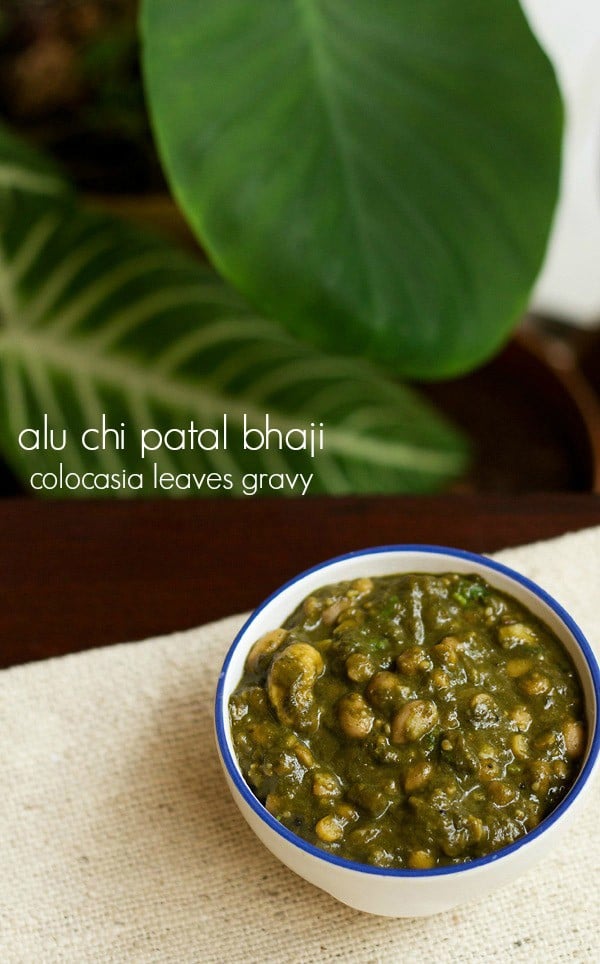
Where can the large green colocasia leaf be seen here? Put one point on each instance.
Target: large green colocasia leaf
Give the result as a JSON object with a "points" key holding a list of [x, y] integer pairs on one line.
{"points": [[97, 318], [379, 176]]}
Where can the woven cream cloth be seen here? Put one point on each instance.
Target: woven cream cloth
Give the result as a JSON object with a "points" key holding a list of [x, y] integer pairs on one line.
{"points": [[120, 842]]}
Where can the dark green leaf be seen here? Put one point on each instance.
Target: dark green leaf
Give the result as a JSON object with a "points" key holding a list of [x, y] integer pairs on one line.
{"points": [[380, 177]]}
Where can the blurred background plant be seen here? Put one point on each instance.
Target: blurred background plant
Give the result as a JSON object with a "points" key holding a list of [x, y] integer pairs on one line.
{"points": [[70, 83]]}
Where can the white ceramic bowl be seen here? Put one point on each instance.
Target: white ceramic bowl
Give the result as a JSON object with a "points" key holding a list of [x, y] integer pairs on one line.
{"points": [[406, 893]]}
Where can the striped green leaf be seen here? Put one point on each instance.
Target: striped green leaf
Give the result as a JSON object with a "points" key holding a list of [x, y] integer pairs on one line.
{"points": [[379, 176], [22, 168], [97, 318]]}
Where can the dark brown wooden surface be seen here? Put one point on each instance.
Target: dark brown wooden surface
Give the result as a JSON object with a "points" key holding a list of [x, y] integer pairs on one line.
{"points": [[76, 575]]}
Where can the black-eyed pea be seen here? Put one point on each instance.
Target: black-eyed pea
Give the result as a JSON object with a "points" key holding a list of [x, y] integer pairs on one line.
{"points": [[417, 775], [417, 803], [541, 775], [285, 764], [346, 812], [332, 613], [351, 622], [447, 650], [500, 793], [256, 775], [363, 585], [264, 648], [304, 755], [483, 707], [290, 681], [325, 785], [274, 803], [364, 835], [574, 737], [489, 768], [534, 684], [355, 716], [517, 634], [330, 828], [360, 667], [475, 828], [384, 690], [370, 798], [440, 680], [560, 769], [420, 860], [545, 740], [263, 733], [412, 661], [517, 667], [454, 847], [311, 607], [519, 746], [382, 858], [413, 721], [522, 717]]}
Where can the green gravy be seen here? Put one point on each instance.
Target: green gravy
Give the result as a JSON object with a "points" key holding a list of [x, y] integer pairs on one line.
{"points": [[410, 720]]}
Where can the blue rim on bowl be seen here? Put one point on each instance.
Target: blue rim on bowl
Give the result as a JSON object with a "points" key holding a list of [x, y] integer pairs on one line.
{"points": [[580, 781]]}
